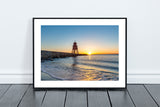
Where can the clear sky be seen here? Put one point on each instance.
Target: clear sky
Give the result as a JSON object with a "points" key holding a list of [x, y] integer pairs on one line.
{"points": [[97, 39]]}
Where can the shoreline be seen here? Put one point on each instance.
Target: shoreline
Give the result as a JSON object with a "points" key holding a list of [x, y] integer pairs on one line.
{"points": [[50, 55], [47, 76]]}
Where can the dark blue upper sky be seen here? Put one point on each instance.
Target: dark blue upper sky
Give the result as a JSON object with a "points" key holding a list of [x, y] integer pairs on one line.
{"points": [[94, 38]]}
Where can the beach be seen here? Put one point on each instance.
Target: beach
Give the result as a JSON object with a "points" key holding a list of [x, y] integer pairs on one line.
{"points": [[81, 68]]}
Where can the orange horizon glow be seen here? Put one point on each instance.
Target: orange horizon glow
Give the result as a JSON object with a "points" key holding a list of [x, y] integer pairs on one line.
{"points": [[87, 52], [89, 49]]}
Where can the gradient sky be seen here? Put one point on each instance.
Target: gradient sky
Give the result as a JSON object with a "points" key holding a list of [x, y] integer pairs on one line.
{"points": [[97, 39]]}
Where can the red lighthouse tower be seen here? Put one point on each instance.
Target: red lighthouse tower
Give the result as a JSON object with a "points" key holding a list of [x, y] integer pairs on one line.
{"points": [[75, 48]]}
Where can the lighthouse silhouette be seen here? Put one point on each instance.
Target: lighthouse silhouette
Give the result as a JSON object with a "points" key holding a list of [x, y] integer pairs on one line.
{"points": [[75, 48]]}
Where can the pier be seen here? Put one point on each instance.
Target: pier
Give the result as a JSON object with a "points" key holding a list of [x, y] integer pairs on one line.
{"points": [[50, 55]]}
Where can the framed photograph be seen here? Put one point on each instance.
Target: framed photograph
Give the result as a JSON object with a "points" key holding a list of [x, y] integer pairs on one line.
{"points": [[79, 52]]}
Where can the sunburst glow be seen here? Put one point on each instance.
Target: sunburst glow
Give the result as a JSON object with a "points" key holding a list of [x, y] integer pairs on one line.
{"points": [[89, 53]]}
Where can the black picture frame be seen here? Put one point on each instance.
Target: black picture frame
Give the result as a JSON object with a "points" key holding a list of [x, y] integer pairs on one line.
{"points": [[33, 26]]}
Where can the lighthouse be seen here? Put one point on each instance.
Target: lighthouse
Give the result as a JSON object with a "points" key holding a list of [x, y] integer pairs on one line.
{"points": [[75, 48]]}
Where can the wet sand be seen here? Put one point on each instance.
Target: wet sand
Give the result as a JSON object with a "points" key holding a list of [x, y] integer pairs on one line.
{"points": [[45, 76]]}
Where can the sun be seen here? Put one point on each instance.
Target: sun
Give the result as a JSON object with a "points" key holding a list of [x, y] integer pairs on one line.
{"points": [[89, 53]]}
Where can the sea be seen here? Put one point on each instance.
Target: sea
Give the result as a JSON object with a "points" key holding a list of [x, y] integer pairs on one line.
{"points": [[82, 68]]}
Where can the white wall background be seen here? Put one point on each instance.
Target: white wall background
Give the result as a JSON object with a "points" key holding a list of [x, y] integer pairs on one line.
{"points": [[16, 33]]}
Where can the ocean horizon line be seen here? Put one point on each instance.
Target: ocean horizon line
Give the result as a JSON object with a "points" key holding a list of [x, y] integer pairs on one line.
{"points": [[81, 53]]}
